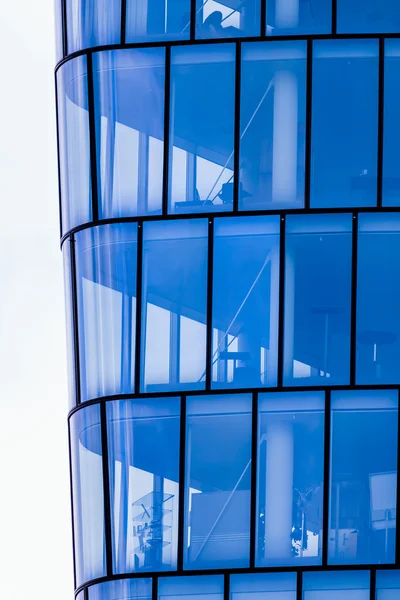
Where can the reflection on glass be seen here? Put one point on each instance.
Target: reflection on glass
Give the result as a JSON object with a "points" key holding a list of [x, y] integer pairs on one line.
{"points": [[93, 23], [363, 478], [391, 124], [378, 299], [74, 152], [157, 20], [129, 89], [245, 302], [87, 492], [272, 125], [174, 305], [227, 19], [203, 587], [295, 17], [143, 440], [346, 585], [58, 29], [368, 16], [290, 479], [387, 585], [217, 482], [202, 128], [344, 123], [265, 586], [121, 589], [317, 299], [69, 323], [106, 289]]}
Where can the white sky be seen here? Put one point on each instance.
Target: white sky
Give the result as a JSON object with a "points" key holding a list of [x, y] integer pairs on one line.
{"points": [[35, 537]]}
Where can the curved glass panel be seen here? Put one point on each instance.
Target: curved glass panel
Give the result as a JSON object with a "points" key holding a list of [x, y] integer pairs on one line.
{"points": [[363, 479], [295, 17], [203, 587], [229, 18], [387, 585], [87, 494], [346, 585], [129, 99], [368, 16], [157, 20], [106, 261], [93, 23], [290, 479], [202, 128], [344, 123], [74, 151], [143, 442], [317, 299], [69, 323], [174, 305], [217, 482], [265, 586], [391, 124], [58, 30], [121, 589], [245, 302], [272, 125], [378, 299]]}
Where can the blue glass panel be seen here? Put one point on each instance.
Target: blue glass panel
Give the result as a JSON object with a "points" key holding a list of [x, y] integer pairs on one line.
{"points": [[217, 482], [317, 299], [87, 494], [378, 299], [227, 18], [69, 323], [344, 123], [121, 589], [174, 305], [204, 587], [346, 585], [245, 302], [202, 128], [129, 88], [391, 123], [58, 29], [387, 585], [153, 20], [93, 23], [297, 17], [106, 289], [265, 586], [368, 16], [363, 479], [74, 152], [290, 479], [143, 441]]}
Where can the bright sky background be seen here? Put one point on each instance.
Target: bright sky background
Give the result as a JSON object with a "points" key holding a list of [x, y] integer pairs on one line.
{"points": [[35, 532]]}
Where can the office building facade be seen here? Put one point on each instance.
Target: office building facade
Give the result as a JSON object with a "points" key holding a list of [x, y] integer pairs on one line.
{"points": [[230, 224]]}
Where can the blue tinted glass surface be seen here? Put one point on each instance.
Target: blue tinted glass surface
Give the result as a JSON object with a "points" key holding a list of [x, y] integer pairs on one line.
{"points": [[87, 494], [74, 153], [290, 479], [227, 19], [344, 123], [69, 323], [391, 124], [93, 23], [272, 125], [245, 302], [153, 20], [58, 29], [106, 289], [265, 586], [346, 585], [202, 128], [143, 442], [174, 305], [387, 585], [297, 17], [378, 299], [129, 88], [122, 589], [80, 596], [368, 16], [362, 510], [317, 299], [203, 587], [217, 482]]}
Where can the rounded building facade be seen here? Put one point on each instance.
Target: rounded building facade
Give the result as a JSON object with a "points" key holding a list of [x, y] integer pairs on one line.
{"points": [[230, 224]]}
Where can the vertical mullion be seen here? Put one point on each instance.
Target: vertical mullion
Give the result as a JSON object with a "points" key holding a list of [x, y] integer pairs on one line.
{"points": [[75, 321], [86, 593], [64, 20], [123, 22], [307, 167], [209, 325], [154, 588], [253, 495], [299, 585], [106, 489], [166, 154], [327, 468], [263, 18], [281, 321], [92, 137], [193, 15], [334, 17], [353, 319], [236, 146], [381, 95], [182, 482], [72, 501], [139, 294], [372, 584], [227, 586], [397, 549]]}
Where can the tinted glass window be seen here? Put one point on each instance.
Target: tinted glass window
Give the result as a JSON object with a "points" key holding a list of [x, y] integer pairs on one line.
{"points": [[391, 123], [226, 19], [387, 585], [123, 589], [294, 17], [268, 586], [346, 585], [368, 16], [93, 23], [195, 588], [152, 20]]}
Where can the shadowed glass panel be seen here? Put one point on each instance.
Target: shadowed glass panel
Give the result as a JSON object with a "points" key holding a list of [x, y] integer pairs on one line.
{"points": [[227, 18], [368, 16]]}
